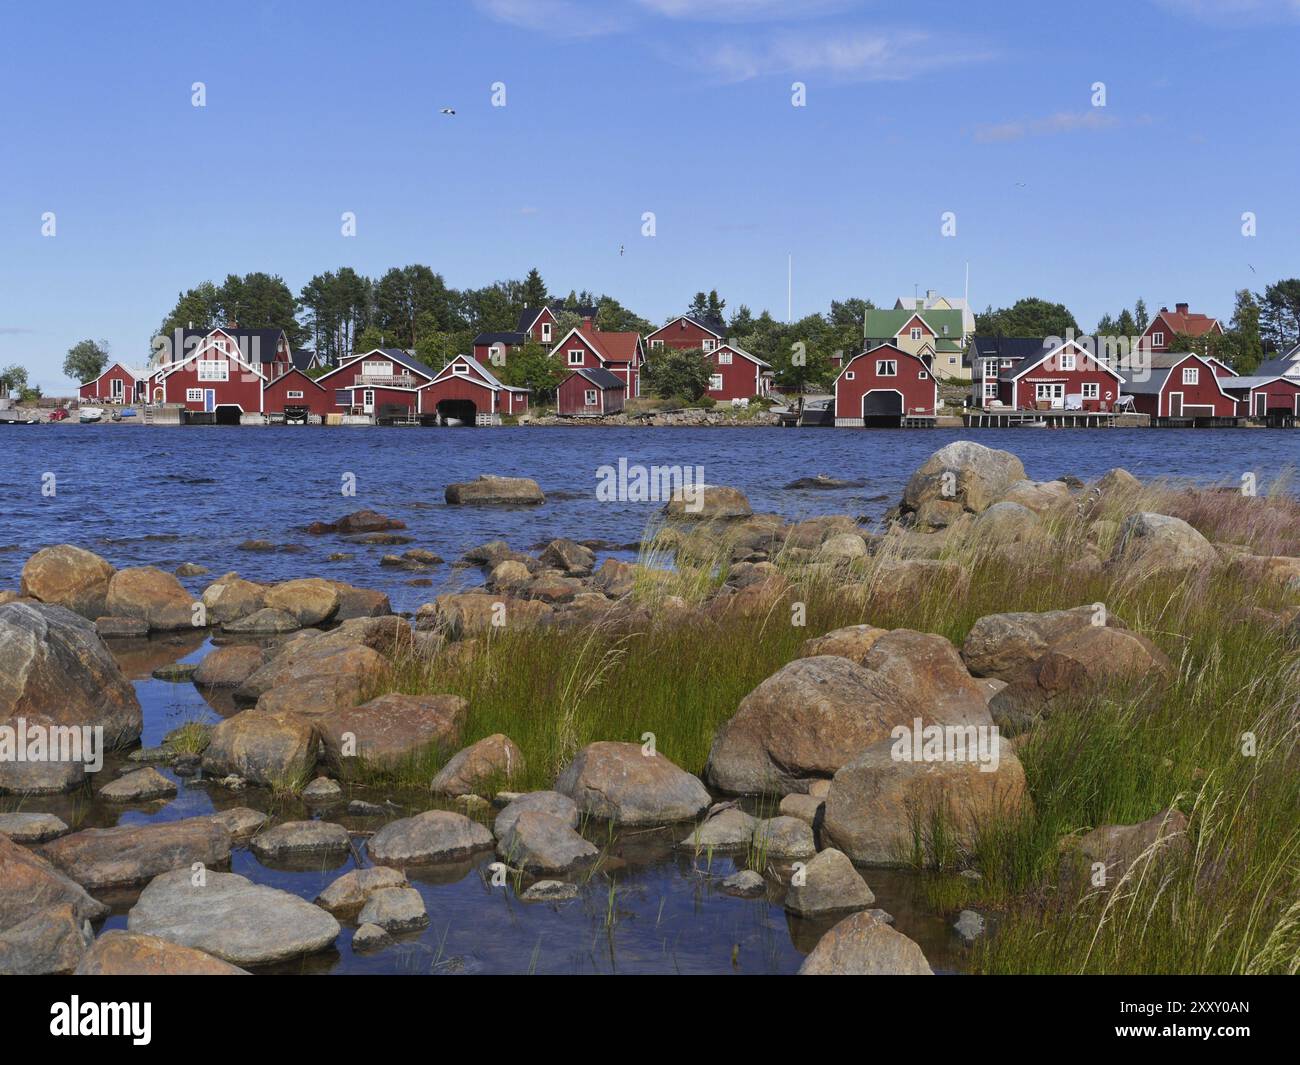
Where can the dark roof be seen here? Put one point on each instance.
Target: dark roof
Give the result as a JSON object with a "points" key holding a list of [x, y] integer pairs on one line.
{"points": [[529, 314], [713, 325], [303, 358], [500, 338], [256, 344], [1277, 367], [405, 358], [1000, 347], [600, 378], [1149, 387]]}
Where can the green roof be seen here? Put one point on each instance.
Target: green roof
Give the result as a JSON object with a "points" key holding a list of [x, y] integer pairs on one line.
{"points": [[885, 325]]}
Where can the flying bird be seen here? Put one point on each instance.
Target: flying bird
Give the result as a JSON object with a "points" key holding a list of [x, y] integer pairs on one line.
{"points": [[448, 111], [1252, 269], [620, 249]]}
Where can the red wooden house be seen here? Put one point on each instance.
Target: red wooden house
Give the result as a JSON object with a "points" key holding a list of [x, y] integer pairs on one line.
{"points": [[382, 382], [1268, 397], [295, 395], [1167, 324], [535, 323], [1177, 385], [687, 331], [467, 391], [1065, 377], [215, 378], [622, 354], [118, 383], [737, 374], [590, 391], [882, 385]]}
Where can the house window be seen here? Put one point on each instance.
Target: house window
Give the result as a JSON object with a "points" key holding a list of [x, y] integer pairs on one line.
{"points": [[1067, 360], [656, 344], [715, 382], [1191, 375], [724, 358], [923, 376], [990, 390], [460, 368], [1158, 340], [709, 345], [293, 395], [377, 369], [589, 397], [1006, 364], [916, 332], [546, 331], [849, 375], [575, 356], [990, 367], [887, 368], [194, 395], [1091, 390], [214, 370]]}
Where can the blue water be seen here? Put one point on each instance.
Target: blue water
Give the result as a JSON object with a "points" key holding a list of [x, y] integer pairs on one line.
{"points": [[164, 495]]}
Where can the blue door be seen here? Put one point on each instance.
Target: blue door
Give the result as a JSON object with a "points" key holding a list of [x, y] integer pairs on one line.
{"points": [[209, 399]]}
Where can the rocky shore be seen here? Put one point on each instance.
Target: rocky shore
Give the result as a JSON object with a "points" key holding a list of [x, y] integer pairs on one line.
{"points": [[808, 781]]}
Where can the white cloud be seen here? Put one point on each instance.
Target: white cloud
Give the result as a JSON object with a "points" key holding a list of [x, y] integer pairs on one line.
{"points": [[1061, 122], [555, 18], [1239, 12], [852, 55], [745, 10]]}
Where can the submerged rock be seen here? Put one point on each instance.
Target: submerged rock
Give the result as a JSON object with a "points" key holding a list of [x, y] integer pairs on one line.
{"points": [[747, 884], [130, 854], [539, 842], [350, 892], [432, 836], [492, 490], [121, 953], [141, 786], [550, 891], [395, 909], [295, 839], [232, 918], [31, 827], [369, 937], [725, 829], [969, 926], [828, 884]]}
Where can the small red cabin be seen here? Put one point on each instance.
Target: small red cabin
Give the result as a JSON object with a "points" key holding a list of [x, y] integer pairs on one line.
{"points": [[1066, 377], [687, 331], [467, 391], [622, 354], [117, 384], [883, 385], [1173, 385], [1268, 398], [383, 383], [294, 394], [737, 374], [591, 392]]}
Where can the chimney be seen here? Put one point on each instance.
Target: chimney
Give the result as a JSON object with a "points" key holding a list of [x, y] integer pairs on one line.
{"points": [[233, 324], [588, 324], [1181, 308], [930, 294]]}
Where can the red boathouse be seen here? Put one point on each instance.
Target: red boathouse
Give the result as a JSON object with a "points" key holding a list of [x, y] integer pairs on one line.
{"points": [[881, 386]]}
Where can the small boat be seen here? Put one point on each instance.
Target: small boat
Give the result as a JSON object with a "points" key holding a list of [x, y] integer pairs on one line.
{"points": [[128, 412], [89, 415]]}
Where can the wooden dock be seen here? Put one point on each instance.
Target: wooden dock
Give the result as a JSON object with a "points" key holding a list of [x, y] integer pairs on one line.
{"points": [[1051, 419]]}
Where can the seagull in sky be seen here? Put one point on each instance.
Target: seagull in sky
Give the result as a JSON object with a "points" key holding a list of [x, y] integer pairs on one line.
{"points": [[448, 111]]}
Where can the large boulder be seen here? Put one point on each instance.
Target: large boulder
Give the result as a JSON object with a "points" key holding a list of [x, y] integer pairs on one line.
{"points": [[271, 749], [618, 782], [863, 945], [264, 622], [879, 801], [571, 557], [1159, 545], [1105, 854], [1006, 522], [392, 729], [347, 894], [816, 714], [482, 767], [229, 666], [1002, 645], [312, 600], [50, 941], [708, 502], [548, 802], [230, 598], [54, 666], [99, 858], [853, 642], [359, 667], [29, 882], [1079, 663], [461, 615], [68, 576], [153, 596], [495, 491], [898, 583], [232, 918], [427, 838], [121, 953], [961, 477], [357, 602]]}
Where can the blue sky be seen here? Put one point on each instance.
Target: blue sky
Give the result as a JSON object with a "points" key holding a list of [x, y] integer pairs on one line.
{"points": [[615, 108]]}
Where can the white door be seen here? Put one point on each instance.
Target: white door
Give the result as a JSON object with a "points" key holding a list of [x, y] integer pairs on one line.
{"points": [[119, 389], [1054, 393], [368, 401]]}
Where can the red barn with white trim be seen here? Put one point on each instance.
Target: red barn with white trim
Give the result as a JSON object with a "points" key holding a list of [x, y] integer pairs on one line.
{"points": [[1177, 385], [883, 385], [590, 392], [467, 391], [294, 392], [686, 331], [622, 354], [118, 383]]}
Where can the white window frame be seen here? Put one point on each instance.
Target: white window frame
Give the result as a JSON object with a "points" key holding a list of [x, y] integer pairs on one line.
{"points": [[724, 358], [886, 367], [1191, 375], [656, 344], [376, 369], [213, 370], [546, 332], [1069, 361], [990, 390], [710, 344], [923, 376], [589, 398], [461, 369], [576, 356], [1157, 340], [1091, 390], [117, 388], [293, 395], [715, 382], [916, 332], [194, 395]]}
